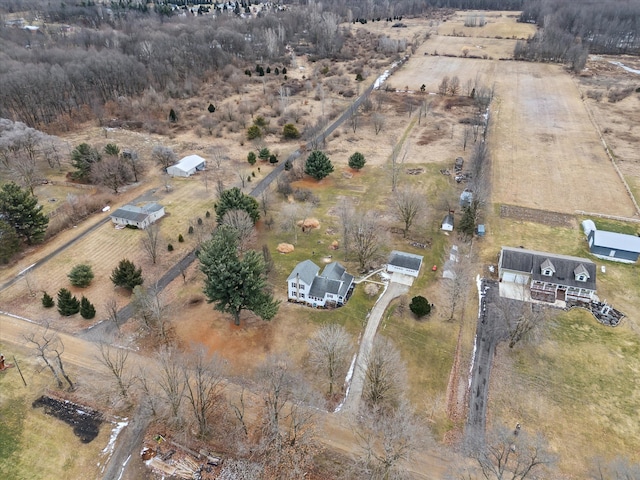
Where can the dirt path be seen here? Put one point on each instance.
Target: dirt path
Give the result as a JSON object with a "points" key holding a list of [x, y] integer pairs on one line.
{"points": [[351, 404]]}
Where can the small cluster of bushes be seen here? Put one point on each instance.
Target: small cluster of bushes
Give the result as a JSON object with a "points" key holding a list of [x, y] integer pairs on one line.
{"points": [[69, 305]]}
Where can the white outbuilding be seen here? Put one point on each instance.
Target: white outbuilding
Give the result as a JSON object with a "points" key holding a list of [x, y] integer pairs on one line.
{"points": [[187, 166]]}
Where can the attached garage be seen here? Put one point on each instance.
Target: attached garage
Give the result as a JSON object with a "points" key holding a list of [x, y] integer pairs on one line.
{"points": [[513, 277]]}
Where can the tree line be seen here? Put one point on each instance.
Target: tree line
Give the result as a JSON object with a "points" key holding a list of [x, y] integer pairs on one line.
{"points": [[573, 29]]}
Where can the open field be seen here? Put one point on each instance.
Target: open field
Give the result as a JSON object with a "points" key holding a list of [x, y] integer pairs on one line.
{"points": [[498, 25], [26, 432], [579, 387]]}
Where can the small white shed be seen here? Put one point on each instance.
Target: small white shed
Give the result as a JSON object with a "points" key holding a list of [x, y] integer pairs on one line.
{"points": [[447, 223]]}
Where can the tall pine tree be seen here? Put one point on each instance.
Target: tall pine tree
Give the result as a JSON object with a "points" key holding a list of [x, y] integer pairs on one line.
{"points": [[21, 211], [235, 283]]}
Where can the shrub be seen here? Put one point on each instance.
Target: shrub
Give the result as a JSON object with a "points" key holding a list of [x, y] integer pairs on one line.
{"points": [[173, 117], [199, 221], [284, 70], [190, 232], [260, 121], [359, 77], [47, 300], [288, 165], [170, 248], [126, 275], [420, 306], [81, 275], [289, 131], [357, 161], [254, 132], [67, 304], [208, 214], [251, 158], [273, 159], [211, 108], [87, 310], [264, 154]]}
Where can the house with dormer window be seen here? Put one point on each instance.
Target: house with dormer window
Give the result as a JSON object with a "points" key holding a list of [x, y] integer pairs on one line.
{"points": [[331, 288], [549, 277]]}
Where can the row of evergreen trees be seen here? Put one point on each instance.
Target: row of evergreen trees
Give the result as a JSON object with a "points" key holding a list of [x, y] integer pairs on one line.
{"points": [[69, 305]]}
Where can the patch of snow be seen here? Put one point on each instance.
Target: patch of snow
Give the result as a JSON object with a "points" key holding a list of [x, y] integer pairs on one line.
{"points": [[624, 67], [481, 294], [380, 80], [347, 380], [17, 316], [25, 269], [124, 464], [108, 450]]}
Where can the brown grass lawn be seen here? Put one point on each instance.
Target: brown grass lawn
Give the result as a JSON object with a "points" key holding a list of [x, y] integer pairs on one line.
{"points": [[579, 387], [35, 445]]}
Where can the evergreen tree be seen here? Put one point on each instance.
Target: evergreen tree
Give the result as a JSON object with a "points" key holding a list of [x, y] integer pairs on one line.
{"points": [[47, 300], [420, 306], [87, 310], [68, 304], [211, 108], [234, 199], [20, 209], [357, 161], [235, 283], [9, 242], [173, 116], [289, 131], [126, 275], [81, 275], [264, 154], [468, 220], [318, 165], [112, 149], [253, 132], [82, 159], [251, 158]]}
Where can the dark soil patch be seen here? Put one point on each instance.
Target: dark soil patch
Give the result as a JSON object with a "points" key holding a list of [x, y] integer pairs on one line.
{"points": [[553, 219], [85, 421]]}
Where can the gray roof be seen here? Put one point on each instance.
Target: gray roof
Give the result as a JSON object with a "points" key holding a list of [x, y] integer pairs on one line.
{"points": [[333, 271], [531, 261], [405, 260], [448, 219], [307, 271], [135, 213], [323, 285], [616, 241]]}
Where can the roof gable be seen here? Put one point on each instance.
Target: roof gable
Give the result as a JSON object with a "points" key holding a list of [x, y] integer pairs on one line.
{"points": [[333, 271], [306, 270]]}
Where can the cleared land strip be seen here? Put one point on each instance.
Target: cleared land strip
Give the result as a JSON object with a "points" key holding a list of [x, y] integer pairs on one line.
{"points": [[546, 152]]}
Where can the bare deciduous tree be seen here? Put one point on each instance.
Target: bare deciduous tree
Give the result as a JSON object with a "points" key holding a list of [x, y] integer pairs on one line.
{"points": [[443, 88], [48, 345], [329, 351], [345, 212], [511, 453], [454, 86], [163, 156], [388, 439], [112, 172], [366, 237], [517, 320], [150, 241], [242, 224], [148, 304], [204, 384], [397, 161], [379, 121], [458, 280], [116, 361], [289, 222], [171, 381], [288, 433], [111, 306], [618, 469], [386, 375], [408, 203]]}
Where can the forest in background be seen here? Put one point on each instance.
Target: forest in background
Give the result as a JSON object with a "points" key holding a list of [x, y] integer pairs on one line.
{"points": [[88, 54]]}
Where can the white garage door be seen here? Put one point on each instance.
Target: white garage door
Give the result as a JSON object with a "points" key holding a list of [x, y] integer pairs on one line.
{"points": [[514, 278]]}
